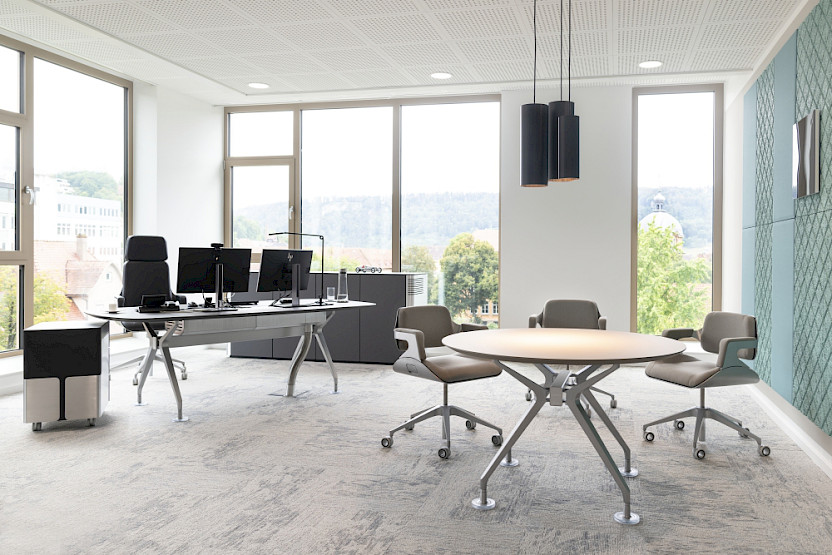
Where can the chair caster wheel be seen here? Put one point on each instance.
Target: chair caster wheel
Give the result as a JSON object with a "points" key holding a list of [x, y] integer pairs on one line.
{"points": [[613, 403], [528, 396], [135, 381], [699, 454], [742, 435], [444, 453], [37, 426], [90, 422], [184, 376], [387, 441], [679, 424], [764, 451], [497, 440], [409, 428], [470, 424], [649, 436]]}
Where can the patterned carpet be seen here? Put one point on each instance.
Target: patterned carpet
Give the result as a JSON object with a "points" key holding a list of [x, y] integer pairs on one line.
{"points": [[253, 473]]}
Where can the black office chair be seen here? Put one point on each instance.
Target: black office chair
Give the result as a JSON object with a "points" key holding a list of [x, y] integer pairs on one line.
{"points": [[146, 273]]}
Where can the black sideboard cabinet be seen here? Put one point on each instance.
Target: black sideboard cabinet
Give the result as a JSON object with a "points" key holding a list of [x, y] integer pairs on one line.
{"points": [[363, 335]]}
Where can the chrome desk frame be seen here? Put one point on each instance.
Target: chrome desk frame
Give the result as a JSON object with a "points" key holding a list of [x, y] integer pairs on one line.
{"points": [[186, 328], [557, 389]]}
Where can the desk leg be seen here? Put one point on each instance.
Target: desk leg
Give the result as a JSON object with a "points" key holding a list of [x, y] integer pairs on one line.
{"points": [[483, 502], [300, 355], [174, 384], [325, 350], [147, 364], [573, 398]]}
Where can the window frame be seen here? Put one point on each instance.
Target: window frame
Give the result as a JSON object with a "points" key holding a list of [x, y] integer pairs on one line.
{"points": [[24, 121], [719, 117]]}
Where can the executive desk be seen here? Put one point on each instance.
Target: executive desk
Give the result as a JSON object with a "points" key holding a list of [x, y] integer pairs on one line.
{"points": [[544, 346], [248, 323]]}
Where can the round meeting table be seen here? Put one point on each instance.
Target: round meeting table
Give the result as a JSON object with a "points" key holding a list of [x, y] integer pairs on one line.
{"points": [[601, 352]]}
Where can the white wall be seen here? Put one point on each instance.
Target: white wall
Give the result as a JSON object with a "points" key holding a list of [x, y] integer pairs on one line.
{"points": [[178, 176], [732, 207], [569, 240]]}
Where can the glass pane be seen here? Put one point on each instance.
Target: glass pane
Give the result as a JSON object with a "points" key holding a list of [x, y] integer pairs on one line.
{"points": [[675, 210], [347, 173], [450, 204], [8, 187], [10, 79], [9, 308], [261, 134], [259, 206], [79, 206]]}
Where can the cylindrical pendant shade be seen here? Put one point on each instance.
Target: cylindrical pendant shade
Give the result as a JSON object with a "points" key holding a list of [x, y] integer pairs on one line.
{"points": [[568, 148], [534, 136], [557, 109]]}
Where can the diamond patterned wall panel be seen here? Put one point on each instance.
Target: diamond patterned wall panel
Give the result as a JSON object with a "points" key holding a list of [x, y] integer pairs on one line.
{"points": [[765, 146], [762, 300], [814, 91], [812, 389]]}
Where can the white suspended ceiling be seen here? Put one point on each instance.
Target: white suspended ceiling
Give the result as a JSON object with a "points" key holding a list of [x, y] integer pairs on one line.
{"points": [[342, 49]]}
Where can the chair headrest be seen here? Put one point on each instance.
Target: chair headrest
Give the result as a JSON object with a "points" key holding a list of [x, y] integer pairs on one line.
{"points": [[145, 248]]}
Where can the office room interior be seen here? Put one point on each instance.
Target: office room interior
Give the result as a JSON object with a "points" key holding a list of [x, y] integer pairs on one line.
{"points": [[252, 471]]}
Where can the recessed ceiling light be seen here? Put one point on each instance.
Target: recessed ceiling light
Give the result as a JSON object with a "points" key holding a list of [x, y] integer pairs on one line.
{"points": [[258, 85], [650, 64], [441, 75]]}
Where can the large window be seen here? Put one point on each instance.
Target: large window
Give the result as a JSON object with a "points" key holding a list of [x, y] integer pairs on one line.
{"points": [[396, 185], [64, 140], [678, 180]]}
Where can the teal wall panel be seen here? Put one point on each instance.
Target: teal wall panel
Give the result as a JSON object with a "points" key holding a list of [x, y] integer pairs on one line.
{"points": [[765, 148], [748, 245], [749, 158], [782, 306], [783, 121], [762, 299]]}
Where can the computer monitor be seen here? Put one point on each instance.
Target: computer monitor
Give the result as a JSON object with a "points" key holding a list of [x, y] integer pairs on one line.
{"points": [[276, 270], [196, 270]]}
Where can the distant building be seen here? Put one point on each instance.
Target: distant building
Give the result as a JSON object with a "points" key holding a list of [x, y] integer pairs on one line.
{"points": [[660, 218]]}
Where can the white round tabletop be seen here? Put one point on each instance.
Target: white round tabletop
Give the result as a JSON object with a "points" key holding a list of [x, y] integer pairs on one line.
{"points": [[563, 346]]}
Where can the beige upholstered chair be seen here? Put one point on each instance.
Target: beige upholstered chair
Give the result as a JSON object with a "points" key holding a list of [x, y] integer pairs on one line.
{"points": [[571, 313], [732, 337], [419, 330]]}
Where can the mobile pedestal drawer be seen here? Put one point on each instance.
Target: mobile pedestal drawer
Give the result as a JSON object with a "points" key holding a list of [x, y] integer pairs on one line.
{"points": [[66, 371]]}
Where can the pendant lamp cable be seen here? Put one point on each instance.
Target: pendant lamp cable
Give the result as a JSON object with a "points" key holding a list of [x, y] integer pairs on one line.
{"points": [[561, 49], [534, 76], [570, 49]]}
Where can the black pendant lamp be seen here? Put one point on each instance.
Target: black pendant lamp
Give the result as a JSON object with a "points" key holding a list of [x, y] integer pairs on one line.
{"points": [[564, 154], [534, 132]]}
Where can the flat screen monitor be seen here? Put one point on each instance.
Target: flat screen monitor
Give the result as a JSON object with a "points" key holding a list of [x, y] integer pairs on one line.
{"points": [[276, 269], [197, 265]]}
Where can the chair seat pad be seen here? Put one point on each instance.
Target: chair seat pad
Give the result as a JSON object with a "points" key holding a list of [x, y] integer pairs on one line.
{"points": [[439, 351], [682, 369], [457, 368]]}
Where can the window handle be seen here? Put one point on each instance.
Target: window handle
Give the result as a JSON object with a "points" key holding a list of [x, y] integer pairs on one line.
{"points": [[32, 192], [291, 212]]}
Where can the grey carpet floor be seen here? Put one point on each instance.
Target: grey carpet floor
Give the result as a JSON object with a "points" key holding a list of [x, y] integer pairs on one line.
{"points": [[253, 473]]}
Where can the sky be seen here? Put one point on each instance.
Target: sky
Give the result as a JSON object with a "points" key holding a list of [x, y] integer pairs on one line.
{"points": [[676, 140]]}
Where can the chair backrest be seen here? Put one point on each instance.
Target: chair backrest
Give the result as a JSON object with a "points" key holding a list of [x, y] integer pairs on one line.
{"points": [[145, 269], [722, 325], [570, 313], [432, 320]]}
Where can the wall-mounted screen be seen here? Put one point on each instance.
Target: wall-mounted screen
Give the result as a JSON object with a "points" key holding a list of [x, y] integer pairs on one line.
{"points": [[806, 155]]}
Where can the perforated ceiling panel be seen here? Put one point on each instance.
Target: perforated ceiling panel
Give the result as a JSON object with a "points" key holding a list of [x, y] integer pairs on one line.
{"points": [[208, 48]]}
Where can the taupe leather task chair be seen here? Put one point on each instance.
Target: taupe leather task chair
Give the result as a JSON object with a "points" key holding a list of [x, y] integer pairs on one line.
{"points": [[419, 331], [732, 337], [571, 313], [145, 272]]}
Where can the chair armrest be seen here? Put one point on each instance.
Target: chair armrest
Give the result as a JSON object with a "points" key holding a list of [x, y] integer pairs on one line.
{"points": [[473, 327], [680, 333], [534, 320], [729, 349], [415, 340], [602, 323], [120, 301]]}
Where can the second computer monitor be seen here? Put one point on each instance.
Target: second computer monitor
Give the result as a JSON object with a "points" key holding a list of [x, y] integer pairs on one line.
{"points": [[197, 266], [276, 269]]}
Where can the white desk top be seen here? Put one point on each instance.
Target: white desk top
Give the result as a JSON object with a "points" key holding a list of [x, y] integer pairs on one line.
{"points": [[563, 346], [132, 314]]}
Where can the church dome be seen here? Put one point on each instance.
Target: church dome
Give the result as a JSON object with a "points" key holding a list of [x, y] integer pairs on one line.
{"points": [[660, 218]]}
